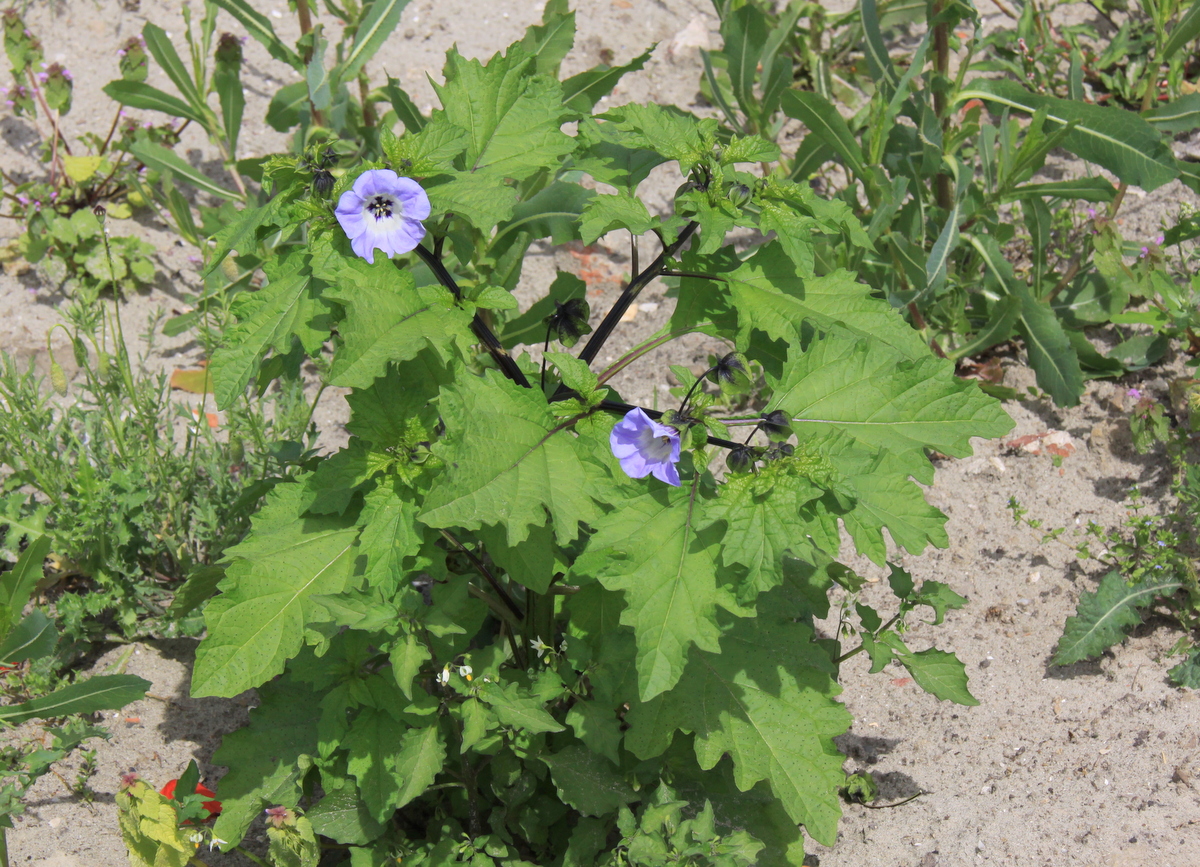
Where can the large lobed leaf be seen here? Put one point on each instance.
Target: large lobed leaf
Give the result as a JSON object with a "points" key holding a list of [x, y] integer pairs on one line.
{"points": [[653, 548], [768, 701], [258, 621], [1103, 617], [508, 461]]}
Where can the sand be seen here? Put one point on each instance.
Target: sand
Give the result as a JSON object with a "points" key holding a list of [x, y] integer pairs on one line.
{"points": [[1093, 764]]}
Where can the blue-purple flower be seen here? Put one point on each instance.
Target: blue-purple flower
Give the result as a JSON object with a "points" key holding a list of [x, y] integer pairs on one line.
{"points": [[383, 211], [645, 447]]}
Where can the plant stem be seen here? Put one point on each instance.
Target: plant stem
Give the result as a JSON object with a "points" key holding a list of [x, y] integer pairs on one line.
{"points": [[638, 351], [632, 290], [941, 69], [492, 343], [485, 572], [305, 19], [856, 651], [250, 855]]}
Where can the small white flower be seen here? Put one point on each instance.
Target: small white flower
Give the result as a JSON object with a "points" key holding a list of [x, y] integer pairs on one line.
{"points": [[215, 842], [464, 671], [540, 646], [444, 677]]}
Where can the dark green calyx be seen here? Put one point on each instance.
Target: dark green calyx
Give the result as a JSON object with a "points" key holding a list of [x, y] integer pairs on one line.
{"points": [[732, 374], [741, 459], [776, 425], [569, 321]]}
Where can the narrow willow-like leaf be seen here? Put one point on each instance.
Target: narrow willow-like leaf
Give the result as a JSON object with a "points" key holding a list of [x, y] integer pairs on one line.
{"points": [[998, 328], [137, 94], [159, 45], [259, 26], [102, 692], [1178, 115], [1187, 29], [34, 637], [377, 24], [1114, 138], [583, 90], [1084, 189], [1103, 617], [158, 157], [824, 121]]}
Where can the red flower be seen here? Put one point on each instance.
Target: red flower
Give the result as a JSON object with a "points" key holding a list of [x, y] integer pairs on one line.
{"points": [[213, 807]]}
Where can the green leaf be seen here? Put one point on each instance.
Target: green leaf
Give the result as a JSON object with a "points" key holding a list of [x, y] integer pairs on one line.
{"points": [[377, 24], [158, 157], [316, 76], [1114, 138], [512, 119], [745, 32], [269, 319], [201, 585], [864, 389], [1103, 617], [749, 149], [667, 130], [654, 550], [508, 460], [390, 535], [531, 563], [259, 26], [258, 621], [159, 45], [605, 213], [483, 199], [288, 105], [264, 757], [1089, 299], [761, 512], [33, 638], [549, 42], [824, 122], [940, 674], [428, 152], [407, 656], [606, 153], [768, 295], [598, 727], [996, 330], [767, 700], [552, 213], [1187, 29], [102, 692], [587, 782], [1187, 673], [939, 597], [393, 763], [136, 94], [18, 583], [582, 91], [228, 86], [1082, 189], [342, 817], [515, 707], [241, 234], [387, 320]]}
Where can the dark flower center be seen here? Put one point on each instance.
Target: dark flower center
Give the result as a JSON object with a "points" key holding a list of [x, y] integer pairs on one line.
{"points": [[380, 207]]}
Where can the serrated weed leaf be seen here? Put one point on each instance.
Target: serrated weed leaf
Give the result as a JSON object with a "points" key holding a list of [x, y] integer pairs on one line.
{"points": [[510, 461]]}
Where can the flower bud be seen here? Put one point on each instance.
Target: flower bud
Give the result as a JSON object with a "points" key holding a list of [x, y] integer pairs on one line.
{"points": [[19, 98], [569, 321], [323, 182], [229, 52], [58, 377], [134, 64], [776, 425], [778, 450], [57, 88], [237, 451], [739, 195], [732, 374], [741, 459]]}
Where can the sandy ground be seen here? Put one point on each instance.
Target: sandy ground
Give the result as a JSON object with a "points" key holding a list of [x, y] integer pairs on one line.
{"points": [[1094, 764]]}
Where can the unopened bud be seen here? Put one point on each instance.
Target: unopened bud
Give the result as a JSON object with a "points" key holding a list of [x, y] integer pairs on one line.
{"points": [[569, 321], [58, 377], [229, 52], [739, 195], [776, 425], [133, 63], [732, 374], [741, 459], [322, 183]]}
